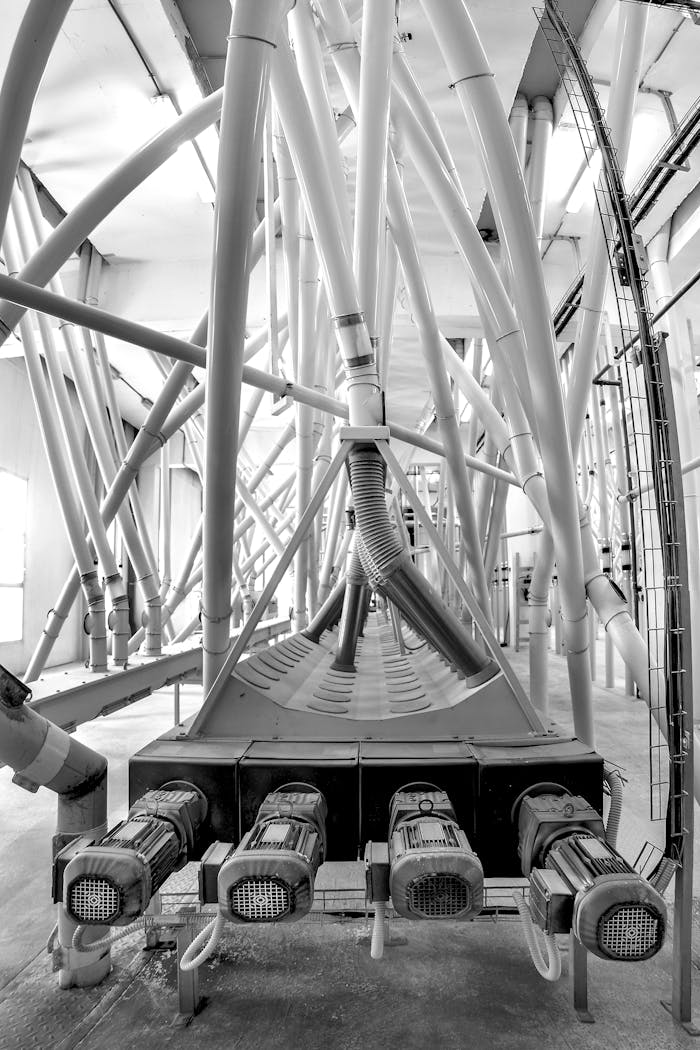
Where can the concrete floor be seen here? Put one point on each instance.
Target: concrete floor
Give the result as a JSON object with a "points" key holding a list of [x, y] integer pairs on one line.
{"points": [[313, 984]]}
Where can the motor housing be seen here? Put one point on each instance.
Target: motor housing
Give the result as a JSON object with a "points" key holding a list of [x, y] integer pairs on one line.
{"points": [[546, 813], [111, 882], [617, 913], [586, 885], [434, 873], [270, 876]]}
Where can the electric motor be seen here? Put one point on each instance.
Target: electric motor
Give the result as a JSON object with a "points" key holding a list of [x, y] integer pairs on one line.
{"points": [[270, 876], [434, 872], [617, 914], [111, 882], [586, 886]]}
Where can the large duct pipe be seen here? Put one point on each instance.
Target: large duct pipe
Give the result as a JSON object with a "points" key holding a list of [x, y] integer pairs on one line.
{"points": [[389, 567], [43, 755], [254, 31], [541, 121]]}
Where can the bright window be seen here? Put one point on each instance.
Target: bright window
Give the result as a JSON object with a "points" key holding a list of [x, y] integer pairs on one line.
{"points": [[13, 514]]}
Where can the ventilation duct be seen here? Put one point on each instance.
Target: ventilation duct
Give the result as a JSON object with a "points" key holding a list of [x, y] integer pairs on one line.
{"points": [[434, 872]]}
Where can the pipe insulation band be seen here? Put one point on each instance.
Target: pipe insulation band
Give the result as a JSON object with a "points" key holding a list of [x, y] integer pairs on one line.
{"points": [[50, 758]]}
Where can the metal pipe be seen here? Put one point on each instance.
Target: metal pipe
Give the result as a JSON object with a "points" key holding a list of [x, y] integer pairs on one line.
{"points": [[354, 604], [476, 88], [289, 215], [35, 38], [404, 238], [253, 38], [119, 619], [308, 283], [188, 354], [309, 62], [541, 122], [48, 424], [364, 399], [378, 24]]}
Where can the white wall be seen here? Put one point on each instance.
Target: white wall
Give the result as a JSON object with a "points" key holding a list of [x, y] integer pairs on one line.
{"points": [[48, 556]]}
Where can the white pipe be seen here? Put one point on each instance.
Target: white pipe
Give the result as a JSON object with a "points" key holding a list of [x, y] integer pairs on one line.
{"points": [[363, 387], [309, 60], [119, 621], [308, 283], [289, 213], [253, 38], [518, 121], [378, 24], [478, 94], [402, 231], [541, 120], [94, 596]]}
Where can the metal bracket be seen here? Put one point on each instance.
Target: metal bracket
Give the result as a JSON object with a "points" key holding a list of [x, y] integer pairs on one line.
{"points": [[687, 1026], [364, 433]]}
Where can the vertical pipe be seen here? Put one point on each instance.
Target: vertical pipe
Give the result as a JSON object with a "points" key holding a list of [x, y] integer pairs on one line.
{"points": [[270, 247], [119, 619], [541, 120], [518, 121], [378, 24], [253, 36], [308, 284], [165, 521], [95, 620], [289, 214]]}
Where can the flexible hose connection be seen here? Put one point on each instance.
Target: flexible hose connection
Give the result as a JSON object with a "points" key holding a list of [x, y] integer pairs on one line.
{"points": [[105, 942], [549, 968], [190, 960], [614, 782], [376, 950], [391, 571]]}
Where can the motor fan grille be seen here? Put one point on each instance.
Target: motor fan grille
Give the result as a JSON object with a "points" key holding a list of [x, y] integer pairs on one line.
{"points": [[93, 900], [438, 896], [630, 932], [261, 900]]}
